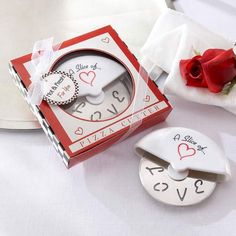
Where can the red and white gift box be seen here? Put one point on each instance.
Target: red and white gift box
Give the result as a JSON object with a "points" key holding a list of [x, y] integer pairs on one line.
{"points": [[76, 139]]}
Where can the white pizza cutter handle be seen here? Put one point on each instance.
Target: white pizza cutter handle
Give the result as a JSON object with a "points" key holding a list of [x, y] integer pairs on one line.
{"points": [[92, 83], [183, 150]]}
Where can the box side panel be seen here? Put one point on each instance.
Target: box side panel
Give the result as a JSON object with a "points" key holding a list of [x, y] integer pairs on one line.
{"points": [[101, 147]]}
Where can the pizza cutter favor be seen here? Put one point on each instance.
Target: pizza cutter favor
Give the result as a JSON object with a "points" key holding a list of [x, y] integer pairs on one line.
{"points": [[88, 92], [105, 87], [180, 166]]}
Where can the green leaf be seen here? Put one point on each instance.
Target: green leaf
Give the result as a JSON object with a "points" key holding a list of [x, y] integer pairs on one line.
{"points": [[228, 87], [197, 53]]}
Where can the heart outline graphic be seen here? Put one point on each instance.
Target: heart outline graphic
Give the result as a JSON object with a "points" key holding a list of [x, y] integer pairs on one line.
{"points": [[147, 98], [86, 78], [79, 131], [190, 152], [105, 40]]}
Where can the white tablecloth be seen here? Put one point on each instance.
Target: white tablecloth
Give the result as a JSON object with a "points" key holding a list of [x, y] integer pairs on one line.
{"points": [[103, 195]]}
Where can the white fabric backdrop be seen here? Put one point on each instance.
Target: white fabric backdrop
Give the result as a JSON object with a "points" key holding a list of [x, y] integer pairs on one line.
{"points": [[103, 195]]}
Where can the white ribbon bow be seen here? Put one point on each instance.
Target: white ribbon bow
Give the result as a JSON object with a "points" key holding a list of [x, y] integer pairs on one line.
{"points": [[41, 57]]}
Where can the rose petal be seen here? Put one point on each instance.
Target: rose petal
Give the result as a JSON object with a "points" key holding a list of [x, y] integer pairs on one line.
{"points": [[211, 54], [219, 70], [186, 68]]}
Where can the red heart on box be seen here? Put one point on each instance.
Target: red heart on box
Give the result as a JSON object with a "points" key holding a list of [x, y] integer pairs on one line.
{"points": [[185, 151], [106, 40], [147, 98], [79, 131], [87, 77]]}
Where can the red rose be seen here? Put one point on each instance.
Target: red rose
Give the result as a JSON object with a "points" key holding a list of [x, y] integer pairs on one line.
{"points": [[213, 70]]}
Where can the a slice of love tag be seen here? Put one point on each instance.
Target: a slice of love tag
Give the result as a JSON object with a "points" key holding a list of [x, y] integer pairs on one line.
{"points": [[59, 88]]}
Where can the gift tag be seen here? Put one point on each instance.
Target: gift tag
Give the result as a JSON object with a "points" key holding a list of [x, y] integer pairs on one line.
{"points": [[59, 88], [180, 166], [105, 86]]}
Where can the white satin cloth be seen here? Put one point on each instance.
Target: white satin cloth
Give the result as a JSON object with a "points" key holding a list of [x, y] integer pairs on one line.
{"points": [[174, 37]]}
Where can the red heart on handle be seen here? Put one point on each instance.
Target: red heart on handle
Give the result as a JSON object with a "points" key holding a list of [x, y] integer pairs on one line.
{"points": [[185, 151], [87, 77]]}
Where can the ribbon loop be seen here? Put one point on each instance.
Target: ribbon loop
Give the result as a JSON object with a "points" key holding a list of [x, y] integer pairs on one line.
{"points": [[42, 54]]}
